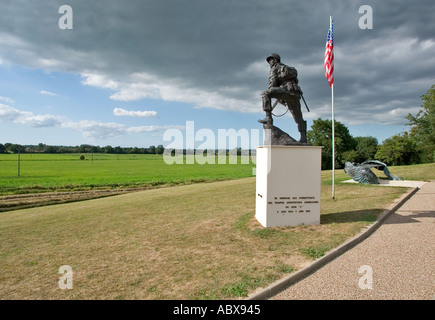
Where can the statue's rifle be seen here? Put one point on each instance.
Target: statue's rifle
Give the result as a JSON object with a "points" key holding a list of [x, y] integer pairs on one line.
{"points": [[305, 102]]}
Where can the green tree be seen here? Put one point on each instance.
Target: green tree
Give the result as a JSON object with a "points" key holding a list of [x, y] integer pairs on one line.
{"points": [[160, 149], [423, 126], [15, 148], [152, 149], [321, 135], [366, 148], [63, 149], [108, 149], [41, 147], [3, 149], [350, 156], [118, 150], [398, 150], [50, 149]]}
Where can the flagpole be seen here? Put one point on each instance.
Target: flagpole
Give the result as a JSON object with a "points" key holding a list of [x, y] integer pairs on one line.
{"points": [[333, 131], [333, 144]]}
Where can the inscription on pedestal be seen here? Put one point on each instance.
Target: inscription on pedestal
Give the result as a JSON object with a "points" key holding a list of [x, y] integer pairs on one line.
{"points": [[293, 204]]}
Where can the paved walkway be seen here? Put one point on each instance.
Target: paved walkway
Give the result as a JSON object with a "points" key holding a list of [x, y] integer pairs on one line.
{"points": [[397, 261]]}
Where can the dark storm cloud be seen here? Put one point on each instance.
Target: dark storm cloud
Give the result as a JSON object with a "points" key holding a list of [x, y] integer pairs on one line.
{"points": [[212, 53]]}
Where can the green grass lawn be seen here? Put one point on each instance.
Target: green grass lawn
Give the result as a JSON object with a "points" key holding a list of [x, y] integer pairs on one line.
{"points": [[66, 172], [198, 241]]}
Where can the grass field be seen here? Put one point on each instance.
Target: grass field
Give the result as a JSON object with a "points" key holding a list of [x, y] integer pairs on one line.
{"points": [[197, 241], [66, 172]]}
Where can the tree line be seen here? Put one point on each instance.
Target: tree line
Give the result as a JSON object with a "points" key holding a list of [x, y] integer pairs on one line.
{"points": [[84, 148]]}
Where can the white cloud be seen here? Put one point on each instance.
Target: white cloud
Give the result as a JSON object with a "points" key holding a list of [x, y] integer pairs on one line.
{"points": [[139, 86], [8, 113], [95, 129], [6, 99], [153, 128], [119, 112], [48, 93], [103, 130], [89, 128], [99, 80]]}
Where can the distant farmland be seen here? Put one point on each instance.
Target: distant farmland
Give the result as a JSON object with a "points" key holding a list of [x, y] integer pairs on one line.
{"points": [[66, 172]]}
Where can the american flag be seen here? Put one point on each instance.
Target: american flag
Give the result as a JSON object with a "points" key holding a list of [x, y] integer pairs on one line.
{"points": [[329, 56]]}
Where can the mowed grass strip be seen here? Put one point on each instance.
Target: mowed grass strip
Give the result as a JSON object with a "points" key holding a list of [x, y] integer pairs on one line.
{"points": [[197, 241]]}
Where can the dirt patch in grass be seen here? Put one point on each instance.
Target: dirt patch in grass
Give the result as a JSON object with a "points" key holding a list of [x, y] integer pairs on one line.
{"points": [[22, 201], [44, 198]]}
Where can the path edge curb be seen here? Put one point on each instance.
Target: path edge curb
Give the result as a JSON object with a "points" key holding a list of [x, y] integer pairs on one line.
{"points": [[293, 278]]}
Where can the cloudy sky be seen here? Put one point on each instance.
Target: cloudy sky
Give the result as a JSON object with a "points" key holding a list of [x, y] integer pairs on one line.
{"points": [[130, 70]]}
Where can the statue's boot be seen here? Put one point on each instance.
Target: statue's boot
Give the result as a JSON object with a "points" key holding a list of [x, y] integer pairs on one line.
{"points": [[302, 127], [268, 119]]}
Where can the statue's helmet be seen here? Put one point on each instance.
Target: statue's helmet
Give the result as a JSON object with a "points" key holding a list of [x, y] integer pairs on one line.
{"points": [[274, 56]]}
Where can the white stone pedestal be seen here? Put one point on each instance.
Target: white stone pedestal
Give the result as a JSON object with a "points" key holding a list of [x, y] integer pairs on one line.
{"points": [[288, 182]]}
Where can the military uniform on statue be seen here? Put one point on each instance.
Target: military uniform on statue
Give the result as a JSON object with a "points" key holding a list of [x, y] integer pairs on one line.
{"points": [[283, 86]]}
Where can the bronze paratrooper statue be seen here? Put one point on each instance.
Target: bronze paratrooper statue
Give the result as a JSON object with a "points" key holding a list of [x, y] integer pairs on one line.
{"points": [[283, 86]]}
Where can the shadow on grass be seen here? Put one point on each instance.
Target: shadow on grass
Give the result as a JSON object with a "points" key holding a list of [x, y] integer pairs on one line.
{"points": [[351, 216]]}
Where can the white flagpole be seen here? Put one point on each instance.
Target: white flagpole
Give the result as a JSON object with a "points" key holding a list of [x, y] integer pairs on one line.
{"points": [[333, 144], [333, 130]]}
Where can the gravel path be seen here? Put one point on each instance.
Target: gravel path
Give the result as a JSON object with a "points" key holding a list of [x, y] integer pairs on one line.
{"points": [[399, 257]]}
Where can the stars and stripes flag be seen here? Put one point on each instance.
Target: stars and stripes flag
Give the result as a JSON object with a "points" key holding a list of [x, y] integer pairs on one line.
{"points": [[329, 56]]}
